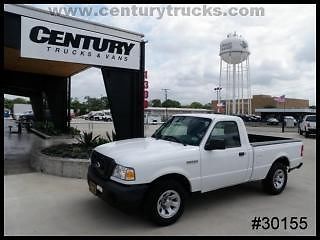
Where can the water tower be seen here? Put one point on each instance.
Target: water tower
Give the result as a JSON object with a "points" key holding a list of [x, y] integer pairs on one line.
{"points": [[234, 75]]}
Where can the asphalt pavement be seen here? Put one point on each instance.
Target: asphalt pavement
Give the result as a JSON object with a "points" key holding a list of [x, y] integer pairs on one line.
{"points": [[39, 204]]}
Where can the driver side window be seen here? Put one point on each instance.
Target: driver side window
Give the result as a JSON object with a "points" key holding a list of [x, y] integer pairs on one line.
{"points": [[227, 130]]}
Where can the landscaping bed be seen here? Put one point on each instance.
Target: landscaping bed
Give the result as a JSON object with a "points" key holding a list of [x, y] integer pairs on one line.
{"points": [[64, 150]]}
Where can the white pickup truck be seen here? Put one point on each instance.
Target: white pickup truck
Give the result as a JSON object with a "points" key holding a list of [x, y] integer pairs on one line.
{"points": [[189, 153], [308, 125]]}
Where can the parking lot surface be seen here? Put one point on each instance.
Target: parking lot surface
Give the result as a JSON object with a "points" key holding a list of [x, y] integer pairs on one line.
{"points": [[39, 204]]}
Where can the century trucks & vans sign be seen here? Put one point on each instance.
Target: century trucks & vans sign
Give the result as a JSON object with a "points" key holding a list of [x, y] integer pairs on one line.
{"points": [[50, 41]]}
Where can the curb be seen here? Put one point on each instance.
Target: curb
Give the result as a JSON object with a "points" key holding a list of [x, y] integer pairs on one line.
{"points": [[40, 134], [63, 167]]}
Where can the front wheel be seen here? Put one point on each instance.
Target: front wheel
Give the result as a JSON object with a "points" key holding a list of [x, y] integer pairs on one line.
{"points": [[165, 202], [276, 180]]}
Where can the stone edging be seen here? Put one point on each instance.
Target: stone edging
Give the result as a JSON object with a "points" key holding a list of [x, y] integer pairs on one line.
{"points": [[64, 167]]}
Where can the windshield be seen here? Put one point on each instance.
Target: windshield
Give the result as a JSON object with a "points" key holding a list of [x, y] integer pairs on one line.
{"points": [[311, 118], [183, 129]]}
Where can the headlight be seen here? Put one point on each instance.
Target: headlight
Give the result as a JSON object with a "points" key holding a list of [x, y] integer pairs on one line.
{"points": [[124, 173]]}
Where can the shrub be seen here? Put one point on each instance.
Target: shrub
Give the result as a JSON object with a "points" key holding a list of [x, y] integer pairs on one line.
{"points": [[87, 140], [74, 131], [82, 149]]}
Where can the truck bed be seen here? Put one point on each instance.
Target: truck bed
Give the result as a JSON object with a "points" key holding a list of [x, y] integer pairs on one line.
{"points": [[261, 140]]}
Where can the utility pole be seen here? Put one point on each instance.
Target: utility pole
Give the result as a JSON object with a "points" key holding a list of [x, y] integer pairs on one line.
{"points": [[166, 98]]}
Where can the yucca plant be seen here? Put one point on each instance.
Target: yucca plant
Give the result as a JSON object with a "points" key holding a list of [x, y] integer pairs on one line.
{"points": [[109, 138], [87, 140]]}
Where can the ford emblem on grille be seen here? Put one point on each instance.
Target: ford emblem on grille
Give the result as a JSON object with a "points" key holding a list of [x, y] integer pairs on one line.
{"points": [[97, 165]]}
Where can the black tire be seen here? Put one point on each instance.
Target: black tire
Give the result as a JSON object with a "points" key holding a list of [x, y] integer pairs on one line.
{"points": [[153, 196], [269, 183]]}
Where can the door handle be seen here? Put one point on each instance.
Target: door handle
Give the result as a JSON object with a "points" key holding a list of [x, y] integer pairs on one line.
{"points": [[241, 154]]}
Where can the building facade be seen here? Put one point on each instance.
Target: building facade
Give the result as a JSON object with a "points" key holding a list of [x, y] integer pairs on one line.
{"points": [[267, 101]]}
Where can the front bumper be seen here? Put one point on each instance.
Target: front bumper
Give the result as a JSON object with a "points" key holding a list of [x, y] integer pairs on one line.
{"points": [[116, 192]]}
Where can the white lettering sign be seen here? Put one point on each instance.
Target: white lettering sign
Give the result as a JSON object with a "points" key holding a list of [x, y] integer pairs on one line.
{"points": [[50, 41]]}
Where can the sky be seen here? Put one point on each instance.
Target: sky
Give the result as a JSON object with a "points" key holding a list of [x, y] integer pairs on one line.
{"points": [[182, 52]]}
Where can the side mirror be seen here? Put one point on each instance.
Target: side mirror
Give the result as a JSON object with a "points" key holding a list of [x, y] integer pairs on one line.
{"points": [[215, 144]]}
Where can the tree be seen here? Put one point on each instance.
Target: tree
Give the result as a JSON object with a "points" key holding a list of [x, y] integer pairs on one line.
{"points": [[77, 106], [105, 102], [196, 105], [8, 103], [208, 106], [95, 104], [156, 103], [171, 103]]}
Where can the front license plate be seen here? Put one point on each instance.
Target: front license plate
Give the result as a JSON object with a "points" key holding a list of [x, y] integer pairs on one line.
{"points": [[93, 188]]}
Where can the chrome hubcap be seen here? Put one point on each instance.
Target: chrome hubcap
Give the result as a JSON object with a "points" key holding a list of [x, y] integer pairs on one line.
{"points": [[168, 204], [278, 179]]}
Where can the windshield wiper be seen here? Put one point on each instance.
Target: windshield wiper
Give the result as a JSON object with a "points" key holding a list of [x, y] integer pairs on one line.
{"points": [[167, 137]]}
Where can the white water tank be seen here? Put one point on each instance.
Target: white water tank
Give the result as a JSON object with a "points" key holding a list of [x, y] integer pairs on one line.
{"points": [[234, 49]]}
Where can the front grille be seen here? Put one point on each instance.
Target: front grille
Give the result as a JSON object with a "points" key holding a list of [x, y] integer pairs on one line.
{"points": [[102, 165]]}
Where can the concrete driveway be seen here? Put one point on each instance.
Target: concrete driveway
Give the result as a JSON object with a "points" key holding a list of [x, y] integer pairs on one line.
{"points": [[38, 204]]}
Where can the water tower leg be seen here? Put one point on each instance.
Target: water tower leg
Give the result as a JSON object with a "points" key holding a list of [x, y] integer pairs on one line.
{"points": [[238, 85], [242, 110], [218, 98], [234, 90]]}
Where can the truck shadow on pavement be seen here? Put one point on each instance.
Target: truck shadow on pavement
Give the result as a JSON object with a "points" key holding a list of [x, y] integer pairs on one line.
{"points": [[214, 200], [225, 196], [112, 215]]}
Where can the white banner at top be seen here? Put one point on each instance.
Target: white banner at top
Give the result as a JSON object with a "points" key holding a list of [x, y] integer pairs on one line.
{"points": [[50, 41]]}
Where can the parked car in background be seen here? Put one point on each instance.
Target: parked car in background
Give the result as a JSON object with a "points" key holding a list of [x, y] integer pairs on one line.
{"points": [[308, 125], [28, 115], [6, 113], [21, 109], [272, 121], [98, 116], [288, 119], [107, 118], [249, 117], [85, 116]]}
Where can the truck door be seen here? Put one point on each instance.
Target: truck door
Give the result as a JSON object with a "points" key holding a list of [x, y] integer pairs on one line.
{"points": [[224, 167]]}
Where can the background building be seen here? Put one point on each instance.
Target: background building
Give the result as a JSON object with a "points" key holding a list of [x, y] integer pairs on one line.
{"points": [[268, 102]]}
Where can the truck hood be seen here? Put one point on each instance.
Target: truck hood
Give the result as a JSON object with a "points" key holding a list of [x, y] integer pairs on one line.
{"points": [[139, 149]]}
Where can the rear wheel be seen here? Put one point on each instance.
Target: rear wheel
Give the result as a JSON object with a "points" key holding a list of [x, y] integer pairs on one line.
{"points": [[165, 202], [276, 180]]}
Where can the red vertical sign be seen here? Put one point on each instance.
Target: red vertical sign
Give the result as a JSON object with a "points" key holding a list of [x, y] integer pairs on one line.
{"points": [[146, 86]]}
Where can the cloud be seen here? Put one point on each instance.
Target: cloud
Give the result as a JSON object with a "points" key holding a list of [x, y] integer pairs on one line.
{"points": [[182, 53]]}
